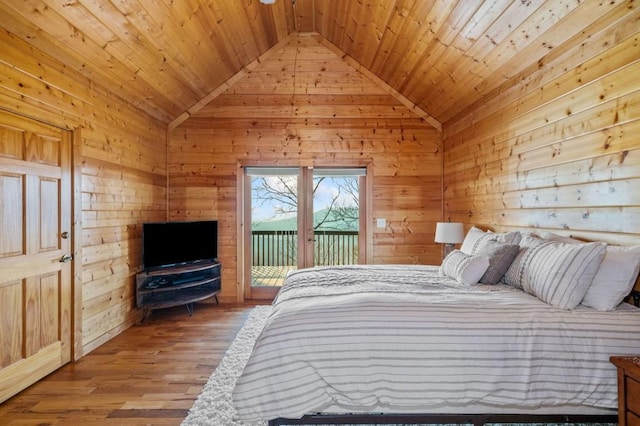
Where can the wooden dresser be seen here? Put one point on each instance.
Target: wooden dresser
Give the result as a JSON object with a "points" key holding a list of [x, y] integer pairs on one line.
{"points": [[628, 389]]}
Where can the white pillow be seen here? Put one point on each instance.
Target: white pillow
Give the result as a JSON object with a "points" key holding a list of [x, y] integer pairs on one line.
{"points": [[476, 236], [615, 278], [545, 235], [560, 273], [464, 268]]}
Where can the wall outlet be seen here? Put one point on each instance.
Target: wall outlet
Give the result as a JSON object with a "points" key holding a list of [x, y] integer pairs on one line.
{"points": [[381, 223]]}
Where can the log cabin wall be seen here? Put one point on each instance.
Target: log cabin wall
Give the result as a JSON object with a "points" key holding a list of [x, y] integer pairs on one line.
{"points": [[338, 116], [557, 147], [120, 157]]}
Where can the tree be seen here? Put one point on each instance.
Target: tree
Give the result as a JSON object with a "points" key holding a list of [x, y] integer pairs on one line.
{"points": [[340, 203]]}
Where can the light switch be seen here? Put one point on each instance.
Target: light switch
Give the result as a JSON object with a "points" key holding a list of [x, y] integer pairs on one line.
{"points": [[381, 223]]}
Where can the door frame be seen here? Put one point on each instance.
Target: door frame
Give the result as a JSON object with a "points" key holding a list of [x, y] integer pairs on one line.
{"points": [[365, 236], [70, 196]]}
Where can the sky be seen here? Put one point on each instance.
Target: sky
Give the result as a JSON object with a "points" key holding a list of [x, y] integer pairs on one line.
{"points": [[322, 198]]}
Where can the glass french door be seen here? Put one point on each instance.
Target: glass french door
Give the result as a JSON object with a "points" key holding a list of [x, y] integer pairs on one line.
{"points": [[299, 217]]}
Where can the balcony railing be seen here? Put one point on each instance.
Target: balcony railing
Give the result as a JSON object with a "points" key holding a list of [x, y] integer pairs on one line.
{"points": [[280, 248]]}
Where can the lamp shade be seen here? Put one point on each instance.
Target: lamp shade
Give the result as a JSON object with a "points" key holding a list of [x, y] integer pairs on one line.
{"points": [[449, 232]]}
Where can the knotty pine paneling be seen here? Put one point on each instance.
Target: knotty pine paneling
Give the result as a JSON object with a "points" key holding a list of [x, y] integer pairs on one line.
{"points": [[287, 112], [558, 146], [121, 156]]}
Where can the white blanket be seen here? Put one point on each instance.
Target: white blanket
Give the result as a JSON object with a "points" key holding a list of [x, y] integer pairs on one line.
{"points": [[401, 339]]}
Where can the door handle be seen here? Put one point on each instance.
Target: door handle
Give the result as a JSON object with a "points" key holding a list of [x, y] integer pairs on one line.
{"points": [[66, 258]]}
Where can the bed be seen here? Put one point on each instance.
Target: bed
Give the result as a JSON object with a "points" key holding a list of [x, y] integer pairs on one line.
{"points": [[400, 343]]}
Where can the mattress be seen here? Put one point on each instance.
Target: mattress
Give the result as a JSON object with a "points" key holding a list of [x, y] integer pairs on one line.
{"points": [[402, 339]]}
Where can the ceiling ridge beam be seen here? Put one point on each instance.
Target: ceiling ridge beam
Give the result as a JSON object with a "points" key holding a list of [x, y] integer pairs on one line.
{"points": [[380, 82], [230, 82]]}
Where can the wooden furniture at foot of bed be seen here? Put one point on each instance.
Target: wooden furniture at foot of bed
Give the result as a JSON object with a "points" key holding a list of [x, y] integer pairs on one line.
{"points": [[628, 389]]}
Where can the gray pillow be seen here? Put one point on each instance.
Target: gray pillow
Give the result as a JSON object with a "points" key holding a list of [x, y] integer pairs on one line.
{"points": [[500, 258]]}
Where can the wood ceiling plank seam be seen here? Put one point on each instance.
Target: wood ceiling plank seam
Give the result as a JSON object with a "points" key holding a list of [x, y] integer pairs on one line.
{"points": [[401, 54], [190, 31], [616, 26], [325, 13], [360, 68], [83, 56], [371, 34], [459, 53], [248, 30], [359, 33], [282, 15], [145, 59], [473, 70], [395, 29], [231, 26], [352, 19], [450, 52], [419, 83], [434, 17], [229, 82], [167, 37], [78, 90], [304, 16], [271, 30], [537, 27], [570, 53], [81, 18]]}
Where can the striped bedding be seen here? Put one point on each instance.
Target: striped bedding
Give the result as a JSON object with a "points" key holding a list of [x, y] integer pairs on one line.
{"points": [[401, 339]]}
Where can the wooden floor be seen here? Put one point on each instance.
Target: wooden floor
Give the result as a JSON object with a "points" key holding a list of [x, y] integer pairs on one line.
{"points": [[150, 374]]}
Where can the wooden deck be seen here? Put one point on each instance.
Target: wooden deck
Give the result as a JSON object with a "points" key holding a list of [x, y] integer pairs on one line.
{"points": [[269, 276]]}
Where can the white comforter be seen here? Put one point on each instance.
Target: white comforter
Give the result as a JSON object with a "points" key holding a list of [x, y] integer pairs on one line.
{"points": [[401, 339]]}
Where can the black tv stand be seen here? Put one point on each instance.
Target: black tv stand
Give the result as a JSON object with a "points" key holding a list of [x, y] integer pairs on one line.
{"points": [[178, 285]]}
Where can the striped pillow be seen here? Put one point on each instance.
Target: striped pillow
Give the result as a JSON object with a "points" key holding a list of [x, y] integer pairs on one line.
{"points": [[514, 274], [476, 237], [559, 273], [464, 268]]}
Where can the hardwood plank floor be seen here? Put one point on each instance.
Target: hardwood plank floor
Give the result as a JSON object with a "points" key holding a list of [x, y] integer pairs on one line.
{"points": [[150, 374]]}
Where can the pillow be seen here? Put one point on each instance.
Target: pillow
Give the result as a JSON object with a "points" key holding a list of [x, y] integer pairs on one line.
{"points": [[514, 274], [615, 278], [558, 238], [476, 236], [500, 257], [464, 268], [560, 273]]}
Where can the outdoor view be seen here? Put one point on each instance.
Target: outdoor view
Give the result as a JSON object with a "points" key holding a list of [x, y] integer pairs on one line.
{"points": [[274, 224]]}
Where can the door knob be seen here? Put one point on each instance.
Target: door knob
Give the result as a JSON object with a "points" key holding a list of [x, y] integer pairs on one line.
{"points": [[66, 258], [65, 234]]}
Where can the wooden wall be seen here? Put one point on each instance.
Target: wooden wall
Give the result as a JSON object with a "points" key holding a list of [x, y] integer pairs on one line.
{"points": [[339, 116], [120, 160], [558, 146]]}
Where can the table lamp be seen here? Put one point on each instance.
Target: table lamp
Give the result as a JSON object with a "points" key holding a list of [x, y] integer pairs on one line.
{"points": [[450, 234]]}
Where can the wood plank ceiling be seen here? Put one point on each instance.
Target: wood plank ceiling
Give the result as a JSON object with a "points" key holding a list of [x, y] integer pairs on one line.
{"points": [[164, 56]]}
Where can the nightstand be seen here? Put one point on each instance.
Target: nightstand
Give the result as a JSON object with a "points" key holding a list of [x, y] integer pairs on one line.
{"points": [[628, 389]]}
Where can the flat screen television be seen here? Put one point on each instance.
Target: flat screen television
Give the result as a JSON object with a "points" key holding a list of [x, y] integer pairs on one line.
{"points": [[167, 244]]}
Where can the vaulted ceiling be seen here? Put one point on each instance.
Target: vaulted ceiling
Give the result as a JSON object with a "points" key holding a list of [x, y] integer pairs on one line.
{"points": [[164, 56]]}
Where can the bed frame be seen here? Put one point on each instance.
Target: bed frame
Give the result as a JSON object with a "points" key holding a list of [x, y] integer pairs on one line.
{"points": [[434, 419]]}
